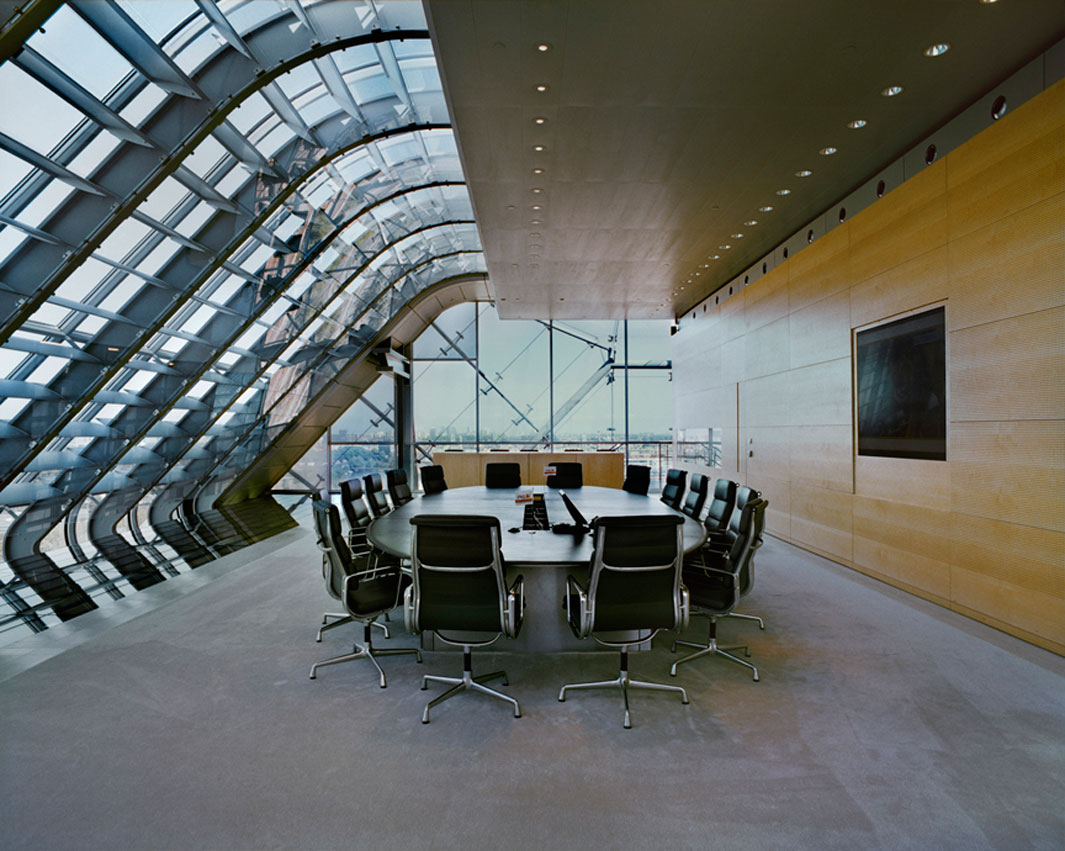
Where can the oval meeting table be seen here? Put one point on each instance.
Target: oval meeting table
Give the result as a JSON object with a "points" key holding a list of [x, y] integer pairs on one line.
{"points": [[543, 557]]}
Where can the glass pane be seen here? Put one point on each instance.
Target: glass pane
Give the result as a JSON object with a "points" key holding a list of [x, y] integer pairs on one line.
{"points": [[589, 403], [515, 398], [450, 336], [444, 402]]}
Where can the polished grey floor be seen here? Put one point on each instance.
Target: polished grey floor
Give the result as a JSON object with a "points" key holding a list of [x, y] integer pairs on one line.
{"points": [[880, 722]]}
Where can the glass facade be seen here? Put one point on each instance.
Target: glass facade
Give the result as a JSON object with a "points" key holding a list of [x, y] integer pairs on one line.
{"points": [[206, 210], [480, 383]]}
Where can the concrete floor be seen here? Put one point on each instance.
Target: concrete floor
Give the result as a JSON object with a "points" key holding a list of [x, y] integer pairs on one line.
{"points": [[880, 721]]}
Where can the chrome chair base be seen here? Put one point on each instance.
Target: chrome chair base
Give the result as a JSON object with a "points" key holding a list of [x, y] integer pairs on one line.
{"points": [[366, 651], [467, 683], [624, 682], [343, 619], [711, 648], [761, 623]]}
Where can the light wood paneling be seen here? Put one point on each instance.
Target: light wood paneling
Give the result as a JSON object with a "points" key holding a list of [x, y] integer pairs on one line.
{"points": [[820, 394], [820, 331], [913, 223], [1010, 166], [765, 303], [821, 520], [815, 274], [911, 284], [905, 480], [1011, 267], [907, 543], [1009, 370], [822, 455], [1011, 471], [983, 532], [767, 349]]}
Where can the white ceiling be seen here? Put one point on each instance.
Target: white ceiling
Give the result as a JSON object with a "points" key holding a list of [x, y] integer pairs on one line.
{"points": [[669, 124]]}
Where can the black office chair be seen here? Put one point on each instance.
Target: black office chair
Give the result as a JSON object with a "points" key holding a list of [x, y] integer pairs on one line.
{"points": [[719, 511], [433, 479], [366, 589], [375, 495], [634, 586], [459, 588], [714, 583], [724, 539], [568, 476], [696, 498], [502, 475], [673, 491], [398, 488], [637, 479], [356, 512]]}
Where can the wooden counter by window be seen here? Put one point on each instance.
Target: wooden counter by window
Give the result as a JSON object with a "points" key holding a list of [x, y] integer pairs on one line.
{"points": [[464, 469]]}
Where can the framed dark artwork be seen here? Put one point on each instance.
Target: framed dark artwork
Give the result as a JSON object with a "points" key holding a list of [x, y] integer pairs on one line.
{"points": [[901, 380]]}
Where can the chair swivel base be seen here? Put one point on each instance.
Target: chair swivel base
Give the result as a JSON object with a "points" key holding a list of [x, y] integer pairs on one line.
{"points": [[366, 651], [761, 623], [624, 682], [467, 682], [711, 648], [343, 619]]}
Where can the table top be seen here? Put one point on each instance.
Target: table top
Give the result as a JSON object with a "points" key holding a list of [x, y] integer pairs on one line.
{"points": [[392, 532]]}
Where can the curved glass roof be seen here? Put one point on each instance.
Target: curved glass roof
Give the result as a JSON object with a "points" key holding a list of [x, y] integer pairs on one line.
{"points": [[205, 209]]}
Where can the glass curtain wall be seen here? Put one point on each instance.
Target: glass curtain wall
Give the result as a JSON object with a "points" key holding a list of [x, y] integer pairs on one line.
{"points": [[482, 383]]}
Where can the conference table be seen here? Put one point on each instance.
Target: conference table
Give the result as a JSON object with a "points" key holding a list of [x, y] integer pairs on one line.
{"points": [[543, 557]]}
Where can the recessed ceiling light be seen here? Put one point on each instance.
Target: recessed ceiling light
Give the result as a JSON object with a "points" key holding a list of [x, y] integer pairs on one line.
{"points": [[682, 287], [765, 209], [827, 152], [716, 257], [538, 147], [805, 172], [783, 192], [988, 2], [537, 190], [542, 87], [697, 274], [537, 207], [538, 171], [937, 49], [857, 123], [535, 222], [543, 47], [539, 120], [751, 223], [891, 91], [534, 235], [724, 247], [737, 235]]}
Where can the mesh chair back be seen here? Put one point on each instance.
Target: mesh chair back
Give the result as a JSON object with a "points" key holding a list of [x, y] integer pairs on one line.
{"points": [[637, 479], [398, 488], [502, 475], [433, 479], [719, 512], [458, 573], [354, 505], [375, 495], [673, 490], [568, 475], [693, 503], [635, 579]]}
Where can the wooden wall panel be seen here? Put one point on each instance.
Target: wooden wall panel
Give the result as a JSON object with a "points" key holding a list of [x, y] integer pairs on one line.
{"points": [[1011, 471], [822, 455], [983, 231], [820, 331], [1011, 267], [1009, 370], [911, 284], [820, 394], [1009, 166], [904, 543], [912, 224]]}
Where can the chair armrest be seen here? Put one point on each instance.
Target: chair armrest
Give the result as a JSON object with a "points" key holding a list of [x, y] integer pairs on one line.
{"points": [[685, 608], [580, 621], [408, 611], [514, 608]]}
